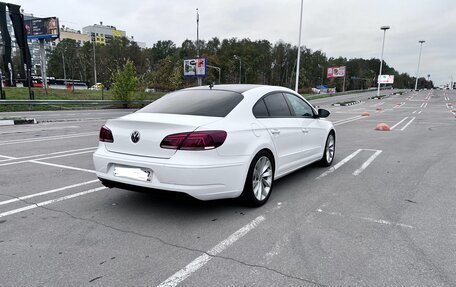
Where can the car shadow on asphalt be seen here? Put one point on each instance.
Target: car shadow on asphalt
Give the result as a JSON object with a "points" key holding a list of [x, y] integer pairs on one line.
{"points": [[166, 203], [172, 204]]}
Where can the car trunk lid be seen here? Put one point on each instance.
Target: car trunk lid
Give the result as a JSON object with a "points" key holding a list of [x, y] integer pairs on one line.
{"points": [[152, 129]]}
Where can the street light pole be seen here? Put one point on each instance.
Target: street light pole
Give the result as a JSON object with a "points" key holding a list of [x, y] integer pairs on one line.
{"points": [[240, 67], [94, 64], [197, 42], [322, 74], [384, 28], [64, 69], [219, 70], [419, 61], [299, 50]]}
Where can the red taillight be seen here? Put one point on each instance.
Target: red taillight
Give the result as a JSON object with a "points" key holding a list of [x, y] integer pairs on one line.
{"points": [[203, 140], [106, 135]]}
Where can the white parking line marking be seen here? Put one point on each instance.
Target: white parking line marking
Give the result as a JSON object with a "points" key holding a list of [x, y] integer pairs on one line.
{"points": [[399, 105], [392, 128], [339, 164], [62, 166], [277, 248], [47, 192], [202, 260], [380, 221], [44, 203], [420, 112], [42, 128], [68, 154], [414, 112], [47, 154], [341, 122], [7, 157], [422, 105], [367, 163], [425, 105], [408, 124], [31, 140], [44, 158]]}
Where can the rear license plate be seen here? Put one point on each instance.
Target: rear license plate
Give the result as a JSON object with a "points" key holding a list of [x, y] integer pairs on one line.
{"points": [[133, 173]]}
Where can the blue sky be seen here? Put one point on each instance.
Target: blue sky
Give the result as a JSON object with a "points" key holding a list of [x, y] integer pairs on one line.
{"points": [[348, 28]]}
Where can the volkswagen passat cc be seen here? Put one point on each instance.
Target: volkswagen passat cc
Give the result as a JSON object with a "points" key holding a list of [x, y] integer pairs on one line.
{"points": [[216, 142]]}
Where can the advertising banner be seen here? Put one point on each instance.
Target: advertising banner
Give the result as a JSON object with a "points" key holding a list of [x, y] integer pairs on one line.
{"points": [[385, 79], [336, 72], [42, 28], [195, 67]]}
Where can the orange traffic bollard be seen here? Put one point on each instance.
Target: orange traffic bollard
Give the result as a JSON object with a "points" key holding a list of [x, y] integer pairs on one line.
{"points": [[382, 127], [365, 114]]}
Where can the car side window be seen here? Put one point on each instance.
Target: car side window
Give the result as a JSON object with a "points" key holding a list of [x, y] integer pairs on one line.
{"points": [[277, 105], [299, 106], [260, 110]]}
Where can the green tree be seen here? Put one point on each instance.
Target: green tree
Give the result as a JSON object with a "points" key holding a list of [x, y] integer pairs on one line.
{"points": [[125, 82], [68, 52]]}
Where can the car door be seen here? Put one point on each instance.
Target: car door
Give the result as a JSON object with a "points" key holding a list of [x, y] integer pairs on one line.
{"points": [[284, 129], [312, 132]]}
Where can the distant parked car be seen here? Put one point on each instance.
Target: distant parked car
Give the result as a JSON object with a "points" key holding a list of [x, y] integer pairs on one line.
{"points": [[225, 141], [149, 90], [97, 87]]}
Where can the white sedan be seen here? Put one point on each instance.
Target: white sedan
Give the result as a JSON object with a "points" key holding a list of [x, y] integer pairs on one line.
{"points": [[225, 141]]}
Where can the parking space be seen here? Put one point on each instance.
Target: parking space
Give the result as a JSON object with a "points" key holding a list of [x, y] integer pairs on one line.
{"points": [[381, 215]]}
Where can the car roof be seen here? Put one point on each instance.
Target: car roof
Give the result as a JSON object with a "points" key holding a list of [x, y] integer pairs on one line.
{"points": [[239, 88]]}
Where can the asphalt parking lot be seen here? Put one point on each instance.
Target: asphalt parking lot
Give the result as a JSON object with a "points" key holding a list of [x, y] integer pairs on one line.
{"points": [[383, 215]]}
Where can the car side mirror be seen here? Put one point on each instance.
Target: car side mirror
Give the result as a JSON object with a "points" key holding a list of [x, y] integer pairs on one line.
{"points": [[322, 113]]}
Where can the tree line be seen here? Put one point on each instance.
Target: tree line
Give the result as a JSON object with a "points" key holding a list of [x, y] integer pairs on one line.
{"points": [[161, 66]]}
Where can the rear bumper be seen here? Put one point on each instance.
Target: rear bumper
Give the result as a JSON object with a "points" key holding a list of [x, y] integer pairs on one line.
{"points": [[203, 175]]}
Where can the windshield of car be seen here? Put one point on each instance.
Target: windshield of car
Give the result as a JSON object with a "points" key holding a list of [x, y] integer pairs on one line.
{"points": [[211, 103]]}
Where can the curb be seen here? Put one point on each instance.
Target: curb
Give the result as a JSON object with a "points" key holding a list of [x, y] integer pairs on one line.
{"points": [[17, 122], [346, 103]]}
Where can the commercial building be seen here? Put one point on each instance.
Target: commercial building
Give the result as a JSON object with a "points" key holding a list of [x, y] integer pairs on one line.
{"points": [[141, 45], [102, 34], [68, 33]]}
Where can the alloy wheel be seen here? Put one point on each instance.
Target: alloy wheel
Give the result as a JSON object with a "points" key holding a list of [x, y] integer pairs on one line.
{"points": [[262, 178], [330, 148]]}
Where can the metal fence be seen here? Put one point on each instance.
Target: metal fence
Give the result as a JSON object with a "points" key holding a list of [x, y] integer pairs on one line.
{"points": [[75, 103]]}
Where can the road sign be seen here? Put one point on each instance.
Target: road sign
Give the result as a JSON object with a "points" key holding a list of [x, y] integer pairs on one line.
{"points": [[385, 79], [336, 72], [42, 28], [195, 67]]}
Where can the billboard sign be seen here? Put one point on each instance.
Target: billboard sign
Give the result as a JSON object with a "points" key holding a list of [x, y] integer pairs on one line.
{"points": [[42, 28], [336, 72], [195, 67], [385, 79]]}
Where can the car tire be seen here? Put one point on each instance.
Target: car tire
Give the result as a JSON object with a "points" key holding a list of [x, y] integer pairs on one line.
{"points": [[329, 152], [259, 181]]}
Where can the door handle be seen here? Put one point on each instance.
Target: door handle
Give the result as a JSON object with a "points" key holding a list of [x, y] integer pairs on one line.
{"points": [[306, 131], [275, 132]]}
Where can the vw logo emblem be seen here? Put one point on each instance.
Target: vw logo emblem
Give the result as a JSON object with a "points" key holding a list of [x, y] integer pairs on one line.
{"points": [[135, 136]]}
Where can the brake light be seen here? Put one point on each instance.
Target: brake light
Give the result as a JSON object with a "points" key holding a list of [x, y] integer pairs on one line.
{"points": [[106, 135], [203, 140]]}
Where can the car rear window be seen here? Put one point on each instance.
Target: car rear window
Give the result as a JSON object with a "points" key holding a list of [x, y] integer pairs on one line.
{"points": [[210, 103]]}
